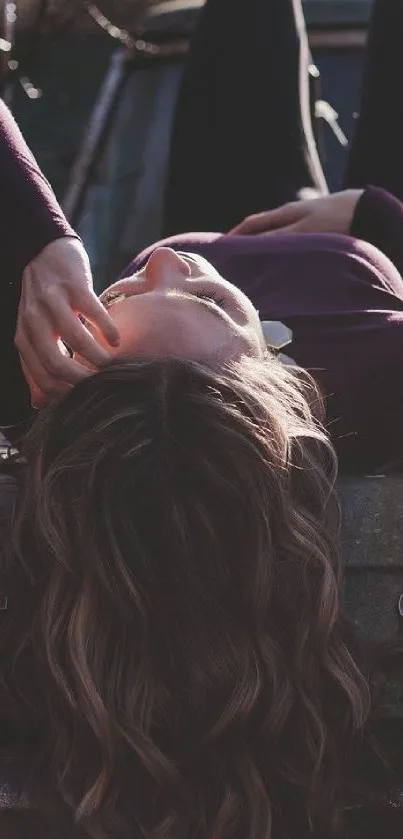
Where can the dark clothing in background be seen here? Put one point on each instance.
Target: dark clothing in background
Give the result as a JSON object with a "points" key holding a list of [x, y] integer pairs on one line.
{"points": [[242, 137], [376, 151]]}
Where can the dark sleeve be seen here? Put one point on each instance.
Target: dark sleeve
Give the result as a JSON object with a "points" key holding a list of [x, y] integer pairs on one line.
{"points": [[378, 219], [30, 216]]}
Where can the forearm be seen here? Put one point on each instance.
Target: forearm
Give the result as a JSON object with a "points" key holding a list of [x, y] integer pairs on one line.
{"points": [[30, 216]]}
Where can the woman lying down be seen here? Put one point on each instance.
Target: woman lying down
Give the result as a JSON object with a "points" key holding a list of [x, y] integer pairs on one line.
{"points": [[174, 660]]}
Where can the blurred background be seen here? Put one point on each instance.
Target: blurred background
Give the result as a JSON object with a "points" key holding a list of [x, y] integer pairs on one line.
{"points": [[93, 87]]}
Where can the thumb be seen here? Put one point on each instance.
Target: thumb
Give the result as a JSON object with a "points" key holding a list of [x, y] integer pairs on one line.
{"points": [[269, 220], [289, 228]]}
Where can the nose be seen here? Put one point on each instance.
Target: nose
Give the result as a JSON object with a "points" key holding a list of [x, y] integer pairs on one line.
{"points": [[165, 269]]}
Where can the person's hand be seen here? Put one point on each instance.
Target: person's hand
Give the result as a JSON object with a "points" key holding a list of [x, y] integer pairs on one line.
{"points": [[328, 214], [56, 289]]}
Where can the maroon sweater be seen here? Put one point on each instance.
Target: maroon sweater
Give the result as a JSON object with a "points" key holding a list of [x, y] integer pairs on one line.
{"points": [[342, 297]]}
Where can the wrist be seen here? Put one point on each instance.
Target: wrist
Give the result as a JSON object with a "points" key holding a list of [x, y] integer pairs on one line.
{"points": [[61, 242]]}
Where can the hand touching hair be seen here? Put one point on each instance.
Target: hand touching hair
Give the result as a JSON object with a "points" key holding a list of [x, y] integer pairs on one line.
{"points": [[176, 637]]}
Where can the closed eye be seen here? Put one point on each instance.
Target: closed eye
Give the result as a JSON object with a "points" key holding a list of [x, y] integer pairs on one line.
{"points": [[112, 296], [210, 297]]}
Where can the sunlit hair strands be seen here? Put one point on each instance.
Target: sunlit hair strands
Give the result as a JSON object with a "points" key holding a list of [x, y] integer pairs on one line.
{"points": [[174, 638]]}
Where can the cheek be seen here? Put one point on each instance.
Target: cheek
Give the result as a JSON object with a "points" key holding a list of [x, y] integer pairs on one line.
{"points": [[124, 323], [122, 316]]}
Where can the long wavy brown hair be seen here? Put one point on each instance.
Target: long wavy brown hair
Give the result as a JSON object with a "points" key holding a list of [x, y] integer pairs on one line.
{"points": [[173, 660]]}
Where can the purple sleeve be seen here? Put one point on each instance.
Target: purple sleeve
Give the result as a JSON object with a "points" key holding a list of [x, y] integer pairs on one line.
{"points": [[30, 216], [378, 219]]}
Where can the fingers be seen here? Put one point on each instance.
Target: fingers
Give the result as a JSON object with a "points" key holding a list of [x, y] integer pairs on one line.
{"points": [[46, 367], [95, 313], [290, 228], [56, 291], [73, 332], [42, 330], [270, 220], [51, 371]]}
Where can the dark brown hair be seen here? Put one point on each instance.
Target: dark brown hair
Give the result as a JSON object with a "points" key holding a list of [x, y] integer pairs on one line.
{"points": [[174, 660]]}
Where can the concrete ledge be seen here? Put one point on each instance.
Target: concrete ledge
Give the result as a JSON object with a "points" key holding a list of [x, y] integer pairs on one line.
{"points": [[372, 542], [372, 549], [373, 521]]}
